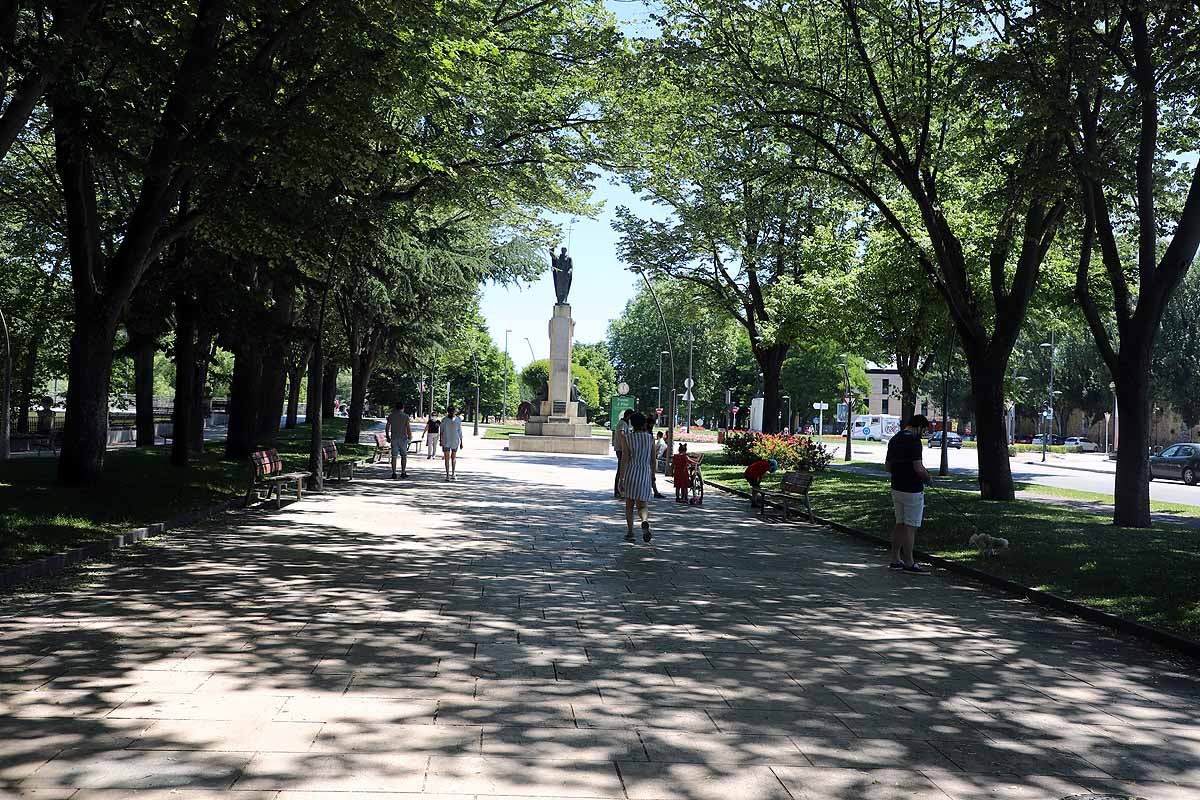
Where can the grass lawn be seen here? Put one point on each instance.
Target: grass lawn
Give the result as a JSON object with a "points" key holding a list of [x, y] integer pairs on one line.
{"points": [[1152, 576], [502, 431], [39, 517]]}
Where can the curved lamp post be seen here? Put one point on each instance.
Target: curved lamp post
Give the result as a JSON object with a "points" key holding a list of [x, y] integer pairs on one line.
{"points": [[670, 352], [6, 402]]}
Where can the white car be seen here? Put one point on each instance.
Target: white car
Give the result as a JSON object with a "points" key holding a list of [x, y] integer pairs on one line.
{"points": [[1085, 445]]}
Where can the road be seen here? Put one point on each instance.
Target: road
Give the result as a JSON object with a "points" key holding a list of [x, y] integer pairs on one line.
{"points": [[1085, 472]]}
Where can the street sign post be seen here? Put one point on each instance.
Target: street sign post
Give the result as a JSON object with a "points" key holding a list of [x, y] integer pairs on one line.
{"points": [[821, 408]]}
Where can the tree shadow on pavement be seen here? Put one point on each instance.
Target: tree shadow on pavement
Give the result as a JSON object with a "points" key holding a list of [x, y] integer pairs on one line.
{"points": [[495, 636]]}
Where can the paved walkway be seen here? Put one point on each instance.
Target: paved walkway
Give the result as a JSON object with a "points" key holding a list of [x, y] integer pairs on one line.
{"points": [[495, 637]]}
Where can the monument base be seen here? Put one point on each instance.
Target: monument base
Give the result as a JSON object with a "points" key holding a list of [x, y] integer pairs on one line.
{"points": [[575, 445]]}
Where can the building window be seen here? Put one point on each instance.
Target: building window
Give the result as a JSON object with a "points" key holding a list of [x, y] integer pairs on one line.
{"points": [[887, 387], [885, 402]]}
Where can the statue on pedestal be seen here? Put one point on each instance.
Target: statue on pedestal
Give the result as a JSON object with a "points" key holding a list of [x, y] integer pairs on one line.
{"points": [[561, 268]]}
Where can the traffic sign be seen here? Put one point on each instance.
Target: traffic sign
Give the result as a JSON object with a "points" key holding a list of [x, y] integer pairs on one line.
{"points": [[1048, 414], [820, 406], [658, 412], [622, 388], [688, 397], [688, 383]]}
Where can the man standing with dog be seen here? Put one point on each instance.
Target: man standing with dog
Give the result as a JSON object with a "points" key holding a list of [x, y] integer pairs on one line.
{"points": [[909, 479]]}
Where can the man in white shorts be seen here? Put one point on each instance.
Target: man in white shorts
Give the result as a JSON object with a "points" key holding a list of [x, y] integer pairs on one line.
{"points": [[909, 479], [399, 433]]}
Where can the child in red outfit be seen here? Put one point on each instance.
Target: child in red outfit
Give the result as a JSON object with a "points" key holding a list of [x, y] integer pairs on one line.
{"points": [[754, 475], [683, 479]]}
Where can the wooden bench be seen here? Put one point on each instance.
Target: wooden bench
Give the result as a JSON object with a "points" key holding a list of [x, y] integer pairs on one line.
{"points": [[383, 448], [793, 487], [336, 467], [267, 470]]}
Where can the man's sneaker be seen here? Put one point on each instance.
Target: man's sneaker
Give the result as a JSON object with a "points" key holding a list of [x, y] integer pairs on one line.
{"points": [[896, 565], [402, 475], [629, 537], [915, 568], [393, 475]]}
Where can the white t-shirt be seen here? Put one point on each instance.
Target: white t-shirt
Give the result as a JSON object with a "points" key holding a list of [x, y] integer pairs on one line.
{"points": [[451, 433]]}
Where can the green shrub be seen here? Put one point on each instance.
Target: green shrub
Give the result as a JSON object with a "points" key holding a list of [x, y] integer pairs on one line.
{"points": [[739, 447]]}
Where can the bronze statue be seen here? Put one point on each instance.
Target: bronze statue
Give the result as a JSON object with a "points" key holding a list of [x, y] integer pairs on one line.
{"points": [[561, 268]]}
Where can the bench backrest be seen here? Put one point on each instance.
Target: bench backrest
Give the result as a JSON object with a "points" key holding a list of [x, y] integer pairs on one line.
{"points": [[796, 482], [380, 440], [329, 450], [266, 462]]}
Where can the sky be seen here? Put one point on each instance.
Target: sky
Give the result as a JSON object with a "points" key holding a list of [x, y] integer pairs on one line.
{"points": [[601, 284]]}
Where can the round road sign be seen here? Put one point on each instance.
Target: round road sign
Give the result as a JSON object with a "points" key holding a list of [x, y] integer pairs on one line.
{"points": [[688, 383], [622, 388]]}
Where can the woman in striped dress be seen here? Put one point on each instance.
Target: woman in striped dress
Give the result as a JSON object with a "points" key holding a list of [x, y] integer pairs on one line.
{"points": [[639, 460]]}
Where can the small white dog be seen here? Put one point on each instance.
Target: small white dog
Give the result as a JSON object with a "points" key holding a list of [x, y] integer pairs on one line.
{"points": [[988, 545]]}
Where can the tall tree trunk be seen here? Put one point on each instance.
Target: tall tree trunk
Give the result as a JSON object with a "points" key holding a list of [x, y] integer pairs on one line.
{"points": [[987, 385], [85, 430], [312, 401], [243, 408], [274, 376], [1131, 492], [316, 374], [295, 374], [25, 390], [328, 390], [143, 383], [770, 361], [185, 374], [201, 399], [360, 375]]}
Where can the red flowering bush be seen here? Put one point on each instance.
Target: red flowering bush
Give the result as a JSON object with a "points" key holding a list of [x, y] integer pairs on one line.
{"points": [[794, 453]]}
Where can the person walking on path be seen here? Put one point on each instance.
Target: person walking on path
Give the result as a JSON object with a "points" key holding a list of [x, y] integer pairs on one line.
{"points": [[909, 479], [618, 441], [398, 431], [450, 431], [638, 469], [431, 436], [660, 449]]}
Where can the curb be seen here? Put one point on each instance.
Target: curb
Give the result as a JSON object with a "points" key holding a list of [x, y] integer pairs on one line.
{"points": [[1171, 641], [1070, 469], [49, 565]]}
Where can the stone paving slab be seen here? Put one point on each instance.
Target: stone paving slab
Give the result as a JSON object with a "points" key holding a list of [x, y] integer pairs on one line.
{"points": [[395, 640]]}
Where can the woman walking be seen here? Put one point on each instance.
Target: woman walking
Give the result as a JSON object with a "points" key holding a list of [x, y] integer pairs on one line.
{"points": [[639, 473], [431, 436], [452, 441]]}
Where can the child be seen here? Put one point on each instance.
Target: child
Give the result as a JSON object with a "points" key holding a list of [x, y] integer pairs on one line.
{"points": [[754, 475], [679, 468]]}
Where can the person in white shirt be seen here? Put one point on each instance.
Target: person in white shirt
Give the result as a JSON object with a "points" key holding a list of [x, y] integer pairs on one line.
{"points": [[450, 432], [399, 432]]}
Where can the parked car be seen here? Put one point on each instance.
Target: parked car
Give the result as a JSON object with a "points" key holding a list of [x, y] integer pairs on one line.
{"points": [[1023, 438], [952, 439], [1083, 443], [1179, 462], [1053, 440]]}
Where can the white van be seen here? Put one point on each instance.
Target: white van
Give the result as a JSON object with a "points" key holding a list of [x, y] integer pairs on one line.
{"points": [[875, 427]]}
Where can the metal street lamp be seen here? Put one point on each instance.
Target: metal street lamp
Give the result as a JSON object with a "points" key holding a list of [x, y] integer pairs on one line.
{"points": [[1012, 414], [475, 358], [1048, 415], [504, 392], [788, 397], [532, 357], [849, 401], [659, 387], [1113, 387]]}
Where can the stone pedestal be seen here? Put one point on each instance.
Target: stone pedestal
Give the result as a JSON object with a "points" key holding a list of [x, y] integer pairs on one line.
{"points": [[559, 427]]}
